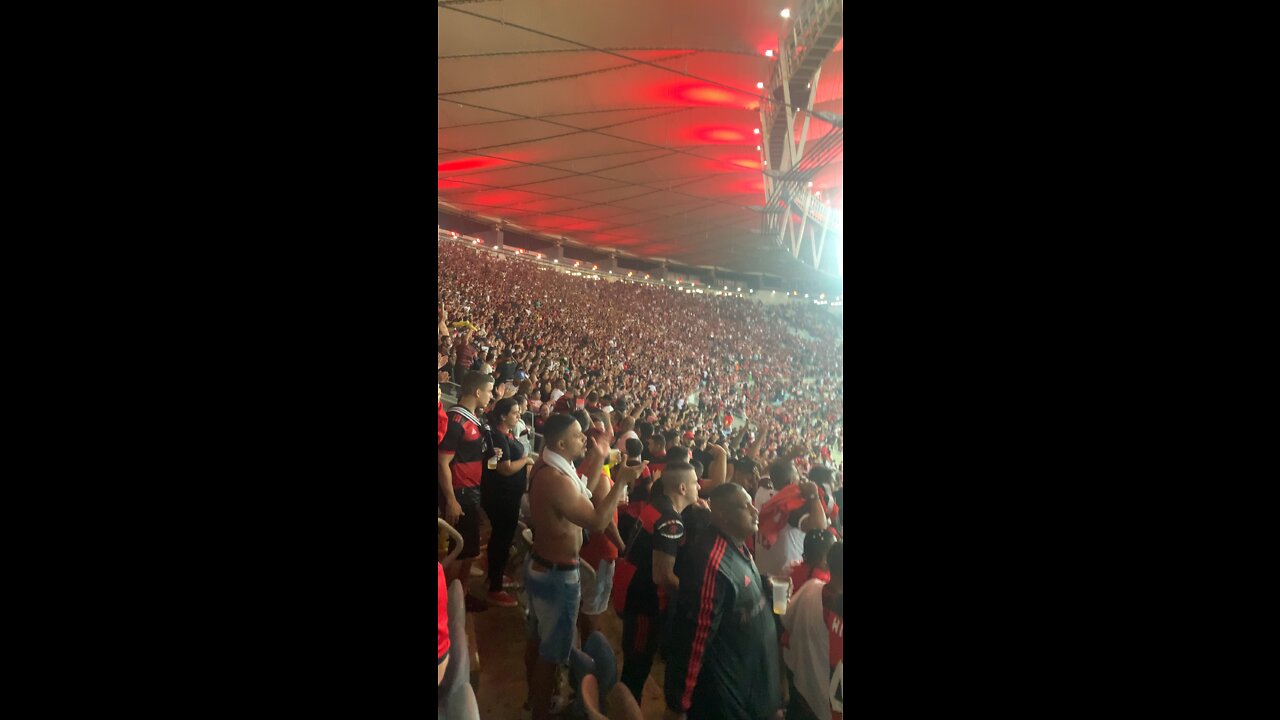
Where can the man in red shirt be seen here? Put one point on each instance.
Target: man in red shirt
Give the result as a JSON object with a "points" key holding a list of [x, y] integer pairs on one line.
{"points": [[568, 401], [466, 354], [833, 614], [813, 645], [814, 564], [461, 459]]}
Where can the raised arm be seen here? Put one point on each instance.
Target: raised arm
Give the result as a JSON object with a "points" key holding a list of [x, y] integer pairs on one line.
{"points": [[718, 470], [574, 506]]}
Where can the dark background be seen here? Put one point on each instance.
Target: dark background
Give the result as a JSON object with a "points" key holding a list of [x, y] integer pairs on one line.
{"points": [[271, 285]]}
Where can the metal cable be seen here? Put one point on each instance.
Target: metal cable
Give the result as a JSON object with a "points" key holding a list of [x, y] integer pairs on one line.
{"points": [[556, 78]]}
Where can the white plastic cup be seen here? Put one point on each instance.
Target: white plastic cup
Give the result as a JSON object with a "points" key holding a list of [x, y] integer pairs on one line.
{"points": [[781, 593]]}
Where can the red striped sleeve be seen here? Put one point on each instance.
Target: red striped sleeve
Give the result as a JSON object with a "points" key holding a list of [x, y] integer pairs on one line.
{"points": [[702, 630]]}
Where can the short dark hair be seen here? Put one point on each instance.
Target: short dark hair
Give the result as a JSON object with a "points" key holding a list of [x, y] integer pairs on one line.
{"points": [[822, 475], [634, 447], [556, 426], [673, 467], [644, 428], [782, 472], [816, 545], [677, 455], [697, 467], [583, 419], [474, 380], [835, 561], [592, 397]]}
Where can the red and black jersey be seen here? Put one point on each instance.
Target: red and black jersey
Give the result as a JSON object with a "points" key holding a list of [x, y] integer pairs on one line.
{"points": [[464, 440], [661, 529]]}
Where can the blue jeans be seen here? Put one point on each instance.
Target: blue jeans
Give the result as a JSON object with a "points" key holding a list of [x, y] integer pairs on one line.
{"points": [[554, 597]]}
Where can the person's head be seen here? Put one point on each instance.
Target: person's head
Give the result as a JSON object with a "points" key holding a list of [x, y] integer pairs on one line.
{"points": [[835, 564], [634, 448], [592, 397], [644, 429], [522, 400], [697, 467], [657, 444], [677, 455], [525, 388], [782, 472], [478, 385], [583, 419], [732, 512], [627, 425], [564, 437], [816, 545], [558, 384], [671, 436], [506, 413], [824, 476], [680, 483]]}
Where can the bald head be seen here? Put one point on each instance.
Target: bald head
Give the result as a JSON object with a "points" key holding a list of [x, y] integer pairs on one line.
{"points": [[732, 512]]}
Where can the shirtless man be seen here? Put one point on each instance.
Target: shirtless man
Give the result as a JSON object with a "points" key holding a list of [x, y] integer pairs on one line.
{"points": [[562, 505]]}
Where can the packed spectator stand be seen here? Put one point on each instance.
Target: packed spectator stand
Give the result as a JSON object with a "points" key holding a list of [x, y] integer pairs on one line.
{"points": [[760, 384], [778, 366]]}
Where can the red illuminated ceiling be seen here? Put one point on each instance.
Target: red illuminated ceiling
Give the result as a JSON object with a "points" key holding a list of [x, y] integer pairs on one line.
{"points": [[606, 145]]}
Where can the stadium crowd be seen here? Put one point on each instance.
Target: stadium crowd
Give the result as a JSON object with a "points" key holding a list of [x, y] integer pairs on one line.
{"points": [[683, 477], [654, 345]]}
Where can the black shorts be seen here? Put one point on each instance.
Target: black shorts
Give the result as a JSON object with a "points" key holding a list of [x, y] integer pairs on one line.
{"points": [[468, 525]]}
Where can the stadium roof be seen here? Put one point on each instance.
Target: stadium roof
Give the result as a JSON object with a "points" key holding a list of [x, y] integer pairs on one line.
{"points": [[620, 125]]}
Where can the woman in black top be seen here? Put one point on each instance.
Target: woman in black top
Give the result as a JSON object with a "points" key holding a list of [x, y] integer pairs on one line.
{"points": [[500, 491]]}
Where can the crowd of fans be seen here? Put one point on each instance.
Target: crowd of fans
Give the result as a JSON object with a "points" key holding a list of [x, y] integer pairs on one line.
{"points": [[780, 366], [684, 479]]}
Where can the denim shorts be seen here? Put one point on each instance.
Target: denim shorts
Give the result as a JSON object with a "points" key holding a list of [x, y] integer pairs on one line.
{"points": [[554, 596], [597, 589]]}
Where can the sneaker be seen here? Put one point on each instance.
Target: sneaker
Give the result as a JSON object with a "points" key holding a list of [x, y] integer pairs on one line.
{"points": [[474, 604], [502, 599]]}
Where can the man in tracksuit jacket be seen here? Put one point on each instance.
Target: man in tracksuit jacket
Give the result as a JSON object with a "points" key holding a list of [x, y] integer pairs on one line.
{"points": [[723, 660]]}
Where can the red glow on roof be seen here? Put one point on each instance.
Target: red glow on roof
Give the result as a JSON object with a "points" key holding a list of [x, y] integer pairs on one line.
{"points": [[705, 95], [466, 164], [720, 134], [747, 163]]}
